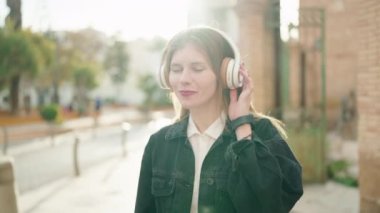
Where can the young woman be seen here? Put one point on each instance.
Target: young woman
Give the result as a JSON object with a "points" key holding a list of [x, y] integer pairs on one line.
{"points": [[220, 156]]}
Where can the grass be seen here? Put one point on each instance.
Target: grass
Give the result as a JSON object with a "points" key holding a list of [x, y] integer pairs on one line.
{"points": [[338, 171]]}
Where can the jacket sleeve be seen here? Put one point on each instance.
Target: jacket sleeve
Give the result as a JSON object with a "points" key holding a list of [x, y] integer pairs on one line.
{"points": [[145, 201], [265, 174]]}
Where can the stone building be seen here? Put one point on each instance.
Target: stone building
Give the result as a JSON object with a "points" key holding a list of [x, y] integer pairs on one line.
{"points": [[351, 57]]}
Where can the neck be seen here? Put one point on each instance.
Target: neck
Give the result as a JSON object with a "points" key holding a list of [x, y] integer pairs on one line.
{"points": [[203, 119]]}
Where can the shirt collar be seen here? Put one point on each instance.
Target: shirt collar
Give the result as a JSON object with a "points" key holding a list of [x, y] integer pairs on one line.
{"points": [[213, 131]]}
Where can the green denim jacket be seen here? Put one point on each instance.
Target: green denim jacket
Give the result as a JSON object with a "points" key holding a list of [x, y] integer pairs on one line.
{"points": [[257, 175]]}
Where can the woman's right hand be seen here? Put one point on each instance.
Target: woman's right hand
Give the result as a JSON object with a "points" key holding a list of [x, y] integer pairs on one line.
{"points": [[240, 106]]}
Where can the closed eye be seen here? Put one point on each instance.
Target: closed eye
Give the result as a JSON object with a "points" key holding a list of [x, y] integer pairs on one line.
{"points": [[176, 68], [198, 67]]}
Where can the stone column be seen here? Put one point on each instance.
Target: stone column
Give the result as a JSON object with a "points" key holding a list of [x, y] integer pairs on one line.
{"points": [[8, 194], [368, 86], [257, 50]]}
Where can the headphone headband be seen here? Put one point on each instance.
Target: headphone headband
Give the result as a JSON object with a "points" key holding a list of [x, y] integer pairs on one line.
{"points": [[232, 45], [232, 76]]}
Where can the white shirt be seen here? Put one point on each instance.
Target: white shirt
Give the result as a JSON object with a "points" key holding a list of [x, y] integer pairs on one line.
{"points": [[201, 144]]}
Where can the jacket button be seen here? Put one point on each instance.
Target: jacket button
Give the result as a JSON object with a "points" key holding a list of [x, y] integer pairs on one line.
{"points": [[210, 181]]}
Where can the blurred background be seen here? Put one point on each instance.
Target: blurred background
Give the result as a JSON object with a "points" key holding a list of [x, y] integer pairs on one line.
{"points": [[79, 97]]}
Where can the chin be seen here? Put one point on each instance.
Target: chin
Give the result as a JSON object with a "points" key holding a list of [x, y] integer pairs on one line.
{"points": [[187, 105]]}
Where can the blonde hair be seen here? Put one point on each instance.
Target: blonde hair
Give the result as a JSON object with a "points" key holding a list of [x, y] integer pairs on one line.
{"points": [[216, 48]]}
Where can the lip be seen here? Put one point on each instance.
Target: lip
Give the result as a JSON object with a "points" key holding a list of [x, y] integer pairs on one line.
{"points": [[187, 93]]}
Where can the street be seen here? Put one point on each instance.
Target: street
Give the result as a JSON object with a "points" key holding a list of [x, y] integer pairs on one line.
{"points": [[36, 168]]}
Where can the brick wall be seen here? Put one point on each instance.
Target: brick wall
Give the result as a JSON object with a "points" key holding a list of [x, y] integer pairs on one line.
{"points": [[341, 54], [256, 47], [368, 90]]}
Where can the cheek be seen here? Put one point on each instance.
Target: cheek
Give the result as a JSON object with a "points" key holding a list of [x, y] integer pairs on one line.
{"points": [[210, 81], [172, 80]]}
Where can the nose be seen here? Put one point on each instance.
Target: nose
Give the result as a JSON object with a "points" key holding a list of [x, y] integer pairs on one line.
{"points": [[185, 77]]}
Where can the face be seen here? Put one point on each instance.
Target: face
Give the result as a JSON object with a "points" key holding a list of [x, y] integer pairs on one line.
{"points": [[192, 79]]}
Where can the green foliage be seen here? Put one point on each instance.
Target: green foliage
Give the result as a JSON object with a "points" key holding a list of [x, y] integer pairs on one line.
{"points": [[154, 95], [116, 61], [85, 76], [18, 55], [73, 51], [50, 112], [3, 84], [338, 171], [158, 44], [22, 53]]}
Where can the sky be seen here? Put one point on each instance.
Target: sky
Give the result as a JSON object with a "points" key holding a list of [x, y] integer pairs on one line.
{"points": [[129, 19]]}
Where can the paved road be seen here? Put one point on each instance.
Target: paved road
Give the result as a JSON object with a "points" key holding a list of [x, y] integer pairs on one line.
{"points": [[51, 162], [44, 161], [107, 187]]}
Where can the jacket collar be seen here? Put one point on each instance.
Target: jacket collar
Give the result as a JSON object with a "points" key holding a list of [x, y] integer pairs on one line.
{"points": [[179, 129]]}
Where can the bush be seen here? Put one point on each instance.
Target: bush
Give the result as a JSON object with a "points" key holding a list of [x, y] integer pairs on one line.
{"points": [[338, 171], [50, 112]]}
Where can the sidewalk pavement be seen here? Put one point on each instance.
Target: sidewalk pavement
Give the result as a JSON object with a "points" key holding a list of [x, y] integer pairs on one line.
{"points": [[330, 197], [108, 187], [28, 137], [109, 116], [112, 185]]}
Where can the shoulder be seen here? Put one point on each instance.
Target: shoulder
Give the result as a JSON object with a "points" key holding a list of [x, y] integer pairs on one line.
{"points": [[265, 129], [162, 132], [169, 132], [155, 139]]}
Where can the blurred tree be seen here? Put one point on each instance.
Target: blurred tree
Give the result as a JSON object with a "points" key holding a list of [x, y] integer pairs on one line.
{"points": [[84, 80], [61, 70], [85, 76], [22, 53], [14, 15], [158, 44], [14, 21], [88, 44], [3, 82], [116, 61], [73, 49], [154, 95]]}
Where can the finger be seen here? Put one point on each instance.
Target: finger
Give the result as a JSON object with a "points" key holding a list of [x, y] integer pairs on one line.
{"points": [[247, 82], [233, 95], [246, 77]]}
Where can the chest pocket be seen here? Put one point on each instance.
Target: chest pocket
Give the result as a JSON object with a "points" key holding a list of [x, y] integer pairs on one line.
{"points": [[163, 191]]}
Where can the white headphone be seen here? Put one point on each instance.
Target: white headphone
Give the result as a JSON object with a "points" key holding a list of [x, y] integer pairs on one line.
{"points": [[229, 68]]}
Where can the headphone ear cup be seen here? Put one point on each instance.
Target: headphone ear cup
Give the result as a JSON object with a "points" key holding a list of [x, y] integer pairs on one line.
{"points": [[224, 72], [230, 73]]}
